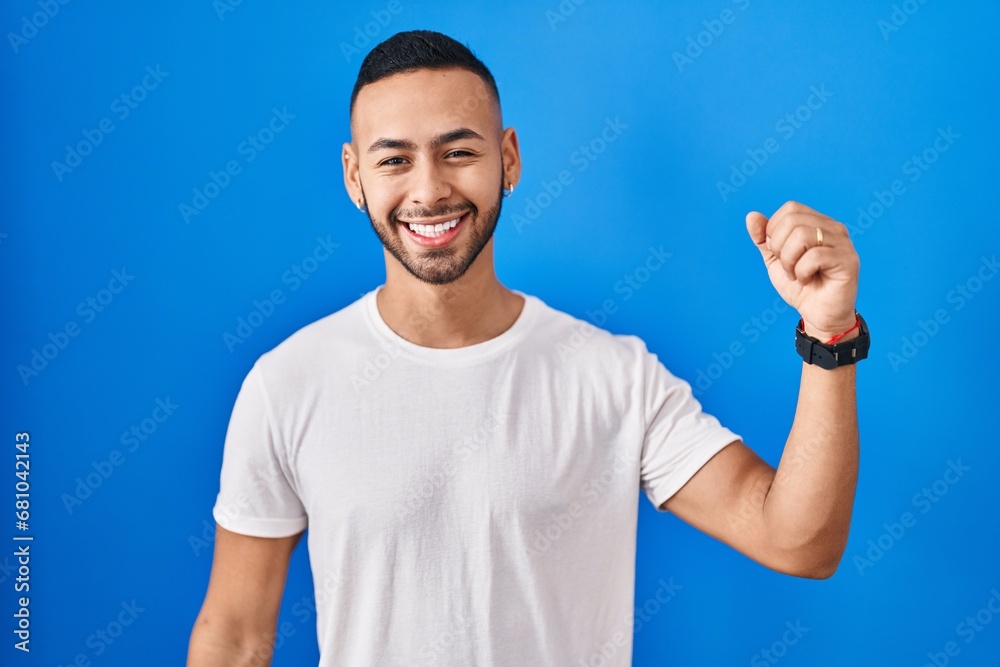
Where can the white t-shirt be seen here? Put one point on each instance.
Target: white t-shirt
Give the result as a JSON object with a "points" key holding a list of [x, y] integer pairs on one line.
{"points": [[467, 506]]}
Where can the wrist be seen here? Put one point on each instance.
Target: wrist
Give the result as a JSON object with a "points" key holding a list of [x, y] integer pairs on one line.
{"points": [[840, 349], [842, 334]]}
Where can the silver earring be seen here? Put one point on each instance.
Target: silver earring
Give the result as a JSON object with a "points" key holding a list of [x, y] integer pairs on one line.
{"points": [[361, 206], [509, 191]]}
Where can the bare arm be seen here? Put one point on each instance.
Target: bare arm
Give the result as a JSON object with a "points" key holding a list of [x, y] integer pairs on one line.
{"points": [[236, 625], [811, 498], [796, 519]]}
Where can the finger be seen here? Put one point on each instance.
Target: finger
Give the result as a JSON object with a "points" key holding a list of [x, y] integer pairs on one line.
{"points": [[790, 207], [814, 262], [798, 241], [756, 225], [784, 227], [779, 218]]}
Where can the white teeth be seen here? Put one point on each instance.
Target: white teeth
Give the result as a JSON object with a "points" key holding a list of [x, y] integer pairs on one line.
{"points": [[432, 231]]}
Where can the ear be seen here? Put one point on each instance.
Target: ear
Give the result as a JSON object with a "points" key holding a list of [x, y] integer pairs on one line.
{"points": [[352, 174], [511, 155]]}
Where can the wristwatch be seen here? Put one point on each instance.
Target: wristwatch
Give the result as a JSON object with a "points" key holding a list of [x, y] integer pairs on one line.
{"points": [[816, 352]]}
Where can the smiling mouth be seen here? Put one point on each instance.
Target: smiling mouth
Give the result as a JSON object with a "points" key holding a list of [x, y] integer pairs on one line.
{"points": [[432, 231], [435, 235]]}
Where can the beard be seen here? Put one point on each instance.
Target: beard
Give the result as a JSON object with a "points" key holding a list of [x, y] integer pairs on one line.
{"points": [[440, 266]]}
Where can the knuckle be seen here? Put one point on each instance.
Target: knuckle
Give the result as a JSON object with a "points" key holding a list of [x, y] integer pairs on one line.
{"points": [[802, 219]]}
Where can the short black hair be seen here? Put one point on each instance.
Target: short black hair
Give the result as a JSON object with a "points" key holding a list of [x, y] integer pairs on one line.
{"points": [[419, 49]]}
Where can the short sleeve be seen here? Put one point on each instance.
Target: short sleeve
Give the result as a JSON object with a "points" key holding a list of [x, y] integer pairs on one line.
{"points": [[680, 438], [256, 496]]}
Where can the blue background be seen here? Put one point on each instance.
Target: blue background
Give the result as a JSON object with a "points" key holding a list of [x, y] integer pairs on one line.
{"points": [[563, 72]]}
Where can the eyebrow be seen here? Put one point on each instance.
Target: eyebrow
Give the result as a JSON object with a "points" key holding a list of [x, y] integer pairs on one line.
{"points": [[438, 141]]}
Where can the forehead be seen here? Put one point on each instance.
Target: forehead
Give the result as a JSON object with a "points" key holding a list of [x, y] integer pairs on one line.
{"points": [[424, 103]]}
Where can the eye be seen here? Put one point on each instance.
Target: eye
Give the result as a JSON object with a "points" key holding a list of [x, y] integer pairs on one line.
{"points": [[391, 162], [460, 153]]}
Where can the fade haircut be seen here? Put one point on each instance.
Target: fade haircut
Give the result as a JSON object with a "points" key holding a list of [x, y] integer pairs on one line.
{"points": [[419, 49]]}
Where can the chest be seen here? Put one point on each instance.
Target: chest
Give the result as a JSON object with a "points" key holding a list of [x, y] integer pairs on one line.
{"points": [[454, 452]]}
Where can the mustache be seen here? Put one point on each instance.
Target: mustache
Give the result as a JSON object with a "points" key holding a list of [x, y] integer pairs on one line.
{"points": [[417, 213]]}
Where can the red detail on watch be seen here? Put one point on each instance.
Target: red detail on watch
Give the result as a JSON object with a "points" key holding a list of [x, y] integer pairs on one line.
{"points": [[857, 323]]}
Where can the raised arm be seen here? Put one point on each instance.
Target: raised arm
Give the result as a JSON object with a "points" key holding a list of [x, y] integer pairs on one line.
{"points": [[236, 625], [794, 519]]}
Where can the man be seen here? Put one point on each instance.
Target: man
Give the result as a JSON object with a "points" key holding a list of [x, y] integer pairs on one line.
{"points": [[470, 487]]}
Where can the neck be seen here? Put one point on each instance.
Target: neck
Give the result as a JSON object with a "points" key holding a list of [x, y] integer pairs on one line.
{"points": [[473, 309]]}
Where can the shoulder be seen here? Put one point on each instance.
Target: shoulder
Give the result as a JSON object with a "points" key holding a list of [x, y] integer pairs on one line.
{"points": [[321, 343], [585, 339]]}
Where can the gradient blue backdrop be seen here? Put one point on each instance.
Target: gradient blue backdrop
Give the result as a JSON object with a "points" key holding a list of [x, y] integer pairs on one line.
{"points": [[894, 77]]}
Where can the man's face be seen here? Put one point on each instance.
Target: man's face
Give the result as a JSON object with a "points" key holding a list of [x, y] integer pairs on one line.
{"points": [[428, 151]]}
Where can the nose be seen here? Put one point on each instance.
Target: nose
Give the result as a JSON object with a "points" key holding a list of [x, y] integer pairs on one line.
{"points": [[428, 185]]}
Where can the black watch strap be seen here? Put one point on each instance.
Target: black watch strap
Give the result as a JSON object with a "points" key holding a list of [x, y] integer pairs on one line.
{"points": [[818, 353]]}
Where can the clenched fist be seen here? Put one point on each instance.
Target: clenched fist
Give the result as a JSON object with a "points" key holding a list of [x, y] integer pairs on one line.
{"points": [[812, 263]]}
